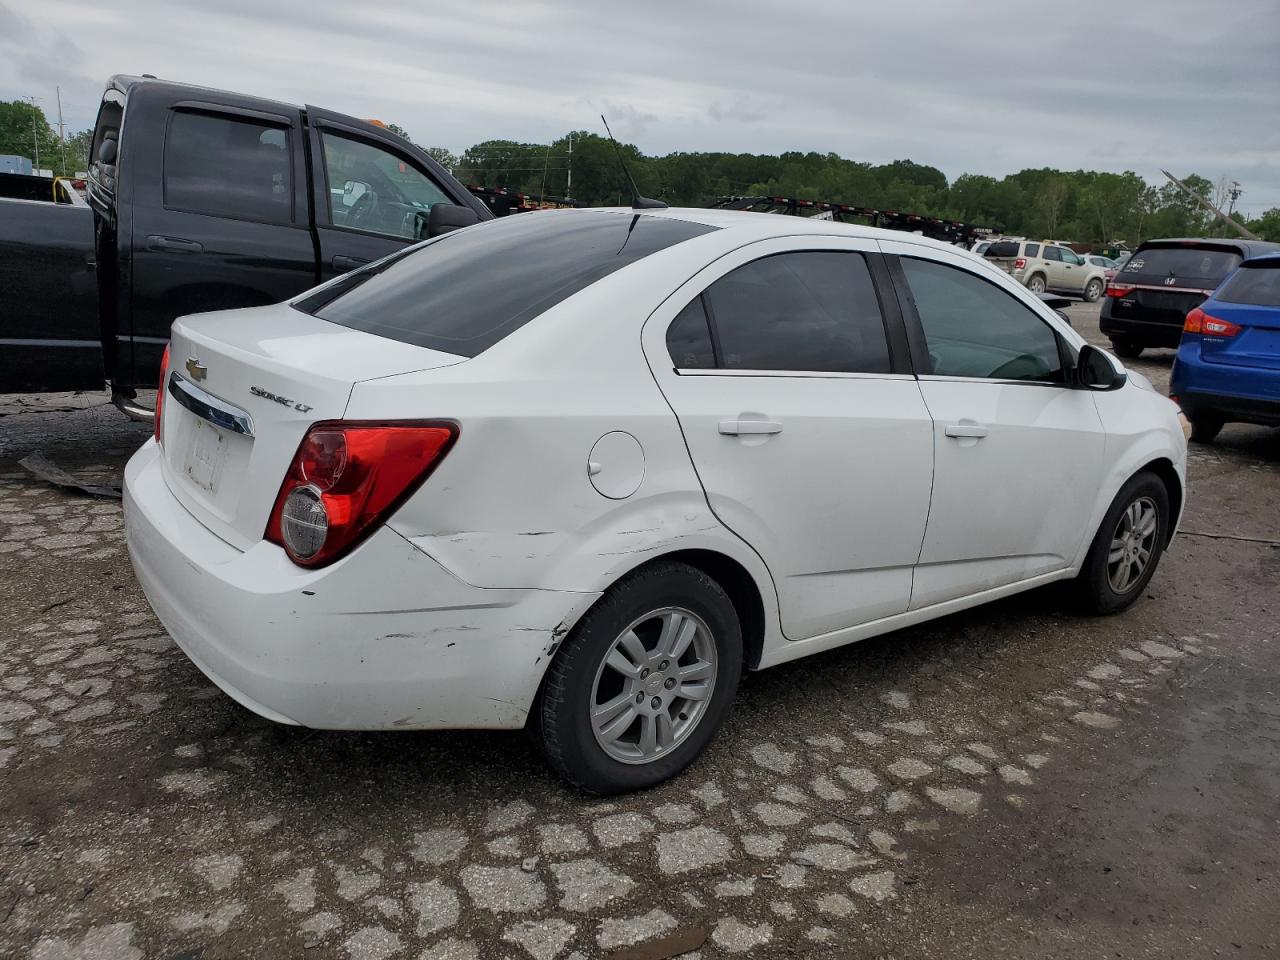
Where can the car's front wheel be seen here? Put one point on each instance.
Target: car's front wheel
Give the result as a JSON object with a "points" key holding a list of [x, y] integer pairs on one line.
{"points": [[1093, 290], [1127, 547], [643, 682]]}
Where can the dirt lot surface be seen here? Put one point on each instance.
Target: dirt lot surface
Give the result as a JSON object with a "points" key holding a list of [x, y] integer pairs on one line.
{"points": [[1014, 781]]}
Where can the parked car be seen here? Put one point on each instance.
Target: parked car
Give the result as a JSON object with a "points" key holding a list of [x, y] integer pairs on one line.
{"points": [[1148, 301], [579, 469], [1228, 363], [1044, 266], [201, 200], [1105, 264]]}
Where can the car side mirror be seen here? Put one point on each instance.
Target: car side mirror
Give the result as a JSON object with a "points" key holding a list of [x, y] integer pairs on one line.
{"points": [[443, 218], [1098, 370], [107, 152]]}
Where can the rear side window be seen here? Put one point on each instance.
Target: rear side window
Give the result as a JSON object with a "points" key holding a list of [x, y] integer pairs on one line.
{"points": [[466, 290], [227, 168], [810, 311], [1053, 253], [1207, 264], [1033, 250], [1254, 284], [689, 338]]}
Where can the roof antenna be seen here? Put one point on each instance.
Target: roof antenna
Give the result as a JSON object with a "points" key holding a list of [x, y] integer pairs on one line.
{"points": [[637, 202]]}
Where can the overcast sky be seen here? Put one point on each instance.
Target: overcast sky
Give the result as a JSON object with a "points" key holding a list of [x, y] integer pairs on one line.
{"points": [[981, 87]]}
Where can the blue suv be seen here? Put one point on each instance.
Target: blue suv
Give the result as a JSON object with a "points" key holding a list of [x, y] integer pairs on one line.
{"points": [[1228, 364]]}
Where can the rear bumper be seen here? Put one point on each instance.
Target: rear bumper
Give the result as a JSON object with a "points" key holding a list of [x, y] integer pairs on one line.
{"points": [[1242, 395], [385, 638], [1148, 333]]}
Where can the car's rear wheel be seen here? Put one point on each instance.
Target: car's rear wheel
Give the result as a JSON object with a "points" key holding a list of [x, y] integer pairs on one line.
{"points": [[1205, 427], [1036, 284], [1093, 290], [643, 682], [1127, 349], [1127, 547]]}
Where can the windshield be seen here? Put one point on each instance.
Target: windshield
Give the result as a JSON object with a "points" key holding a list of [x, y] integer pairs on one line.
{"points": [[1257, 284], [466, 291], [1206, 264]]}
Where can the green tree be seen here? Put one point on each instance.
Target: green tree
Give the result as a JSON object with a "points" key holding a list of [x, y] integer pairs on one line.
{"points": [[25, 131]]}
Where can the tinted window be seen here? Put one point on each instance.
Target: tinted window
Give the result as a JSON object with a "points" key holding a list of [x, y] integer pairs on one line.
{"points": [[1002, 248], [981, 248], [974, 329], [689, 339], [373, 190], [227, 168], [799, 311], [466, 290], [1053, 253], [1188, 263], [1033, 250], [1254, 284]]}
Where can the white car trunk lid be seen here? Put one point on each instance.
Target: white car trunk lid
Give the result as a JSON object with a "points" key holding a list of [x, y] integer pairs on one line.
{"points": [[244, 386]]}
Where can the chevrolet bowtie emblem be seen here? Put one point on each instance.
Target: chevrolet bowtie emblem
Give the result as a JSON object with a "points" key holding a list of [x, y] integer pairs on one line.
{"points": [[197, 369]]}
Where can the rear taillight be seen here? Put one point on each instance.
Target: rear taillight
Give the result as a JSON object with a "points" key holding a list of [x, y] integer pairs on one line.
{"points": [[164, 373], [1200, 322], [1020, 263], [1119, 289], [347, 477]]}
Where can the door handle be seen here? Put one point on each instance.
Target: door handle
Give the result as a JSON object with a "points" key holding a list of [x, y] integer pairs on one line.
{"points": [[343, 264], [975, 430], [745, 428], [173, 245]]}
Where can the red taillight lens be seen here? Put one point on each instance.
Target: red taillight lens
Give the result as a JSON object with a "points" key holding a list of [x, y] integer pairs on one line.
{"points": [[1119, 289], [346, 478], [1200, 322], [164, 374], [1020, 263]]}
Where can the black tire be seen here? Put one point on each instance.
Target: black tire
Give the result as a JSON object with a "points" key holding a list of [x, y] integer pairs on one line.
{"points": [[1093, 290], [1094, 586], [1205, 427], [1037, 280], [565, 729], [1127, 349]]}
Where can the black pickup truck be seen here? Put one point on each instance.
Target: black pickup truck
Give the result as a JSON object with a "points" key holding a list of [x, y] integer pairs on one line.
{"points": [[199, 200]]}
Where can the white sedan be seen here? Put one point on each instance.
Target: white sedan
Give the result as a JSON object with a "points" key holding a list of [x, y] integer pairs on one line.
{"points": [[579, 469]]}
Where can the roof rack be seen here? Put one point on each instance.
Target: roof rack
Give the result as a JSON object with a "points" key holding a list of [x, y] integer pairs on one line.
{"points": [[504, 202], [949, 231]]}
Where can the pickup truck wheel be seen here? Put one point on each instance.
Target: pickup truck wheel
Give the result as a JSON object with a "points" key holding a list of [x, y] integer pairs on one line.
{"points": [[1126, 348], [1093, 290], [1206, 426], [1036, 284]]}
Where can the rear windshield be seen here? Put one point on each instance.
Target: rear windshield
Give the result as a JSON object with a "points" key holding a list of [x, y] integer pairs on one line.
{"points": [[1184, 263], [1002, 248], [1254, 283], [467, 290]]}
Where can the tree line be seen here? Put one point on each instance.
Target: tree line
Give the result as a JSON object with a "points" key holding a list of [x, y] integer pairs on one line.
{"points": [[1082, 205]]}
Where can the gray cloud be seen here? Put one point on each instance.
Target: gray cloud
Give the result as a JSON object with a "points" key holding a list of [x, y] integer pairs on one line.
{"points": [[985, 88]]}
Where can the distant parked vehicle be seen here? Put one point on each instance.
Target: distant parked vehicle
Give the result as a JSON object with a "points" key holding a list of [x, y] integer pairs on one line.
{"points": [[1228, 363], [1106, 264], [1149, 299], [1042, 266]]}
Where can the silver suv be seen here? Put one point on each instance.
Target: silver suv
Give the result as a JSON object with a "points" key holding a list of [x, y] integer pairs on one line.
{"points": [[1043, 266]]}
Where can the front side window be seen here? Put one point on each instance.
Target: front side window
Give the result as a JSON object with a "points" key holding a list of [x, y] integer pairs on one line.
{"points": [[227, 167], [972, 328], [806, 311], [375, 191]]}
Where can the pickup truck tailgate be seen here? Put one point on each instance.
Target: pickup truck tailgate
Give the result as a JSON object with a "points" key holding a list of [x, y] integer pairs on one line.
{"points": [[242, 389]]}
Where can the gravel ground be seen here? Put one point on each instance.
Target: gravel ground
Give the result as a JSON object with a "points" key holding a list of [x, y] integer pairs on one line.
{"points": [[1012, 781]]}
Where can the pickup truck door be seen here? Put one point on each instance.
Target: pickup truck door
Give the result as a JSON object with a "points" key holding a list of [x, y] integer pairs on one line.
{"points": [[220, 220], [372, 192]]}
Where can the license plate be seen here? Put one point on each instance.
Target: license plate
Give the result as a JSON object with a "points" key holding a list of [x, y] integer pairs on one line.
{"points": [[204, 459]]}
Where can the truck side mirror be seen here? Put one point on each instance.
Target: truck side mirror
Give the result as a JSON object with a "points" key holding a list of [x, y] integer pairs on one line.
{"points": [[445, 217], [1097, 370], [107, 152]]}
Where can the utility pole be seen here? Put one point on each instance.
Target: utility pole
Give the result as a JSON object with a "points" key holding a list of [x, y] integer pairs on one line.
{"points": [[62, 131], [1240, 229], [35, 140], [1235, 195], [568, 186]]}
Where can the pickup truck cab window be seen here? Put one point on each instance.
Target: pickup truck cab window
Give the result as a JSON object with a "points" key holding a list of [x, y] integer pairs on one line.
{"points": [[974, 329], [373, 190], [227, 167]]}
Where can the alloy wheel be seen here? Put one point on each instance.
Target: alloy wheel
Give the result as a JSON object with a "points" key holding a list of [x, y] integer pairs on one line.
{"points": [[653, 686], [1132, 544]]}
